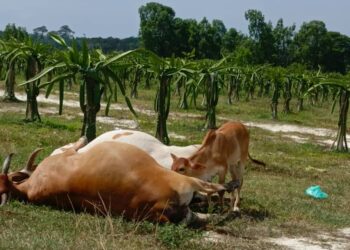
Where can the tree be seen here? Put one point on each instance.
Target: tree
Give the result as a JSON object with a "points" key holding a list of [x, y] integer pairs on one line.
{"points": [[230, 40], [66, 32], [194, 36], [243, 54], [311, 41], [40, 31], [337, 52], [157, 28], [209, 45], [181, 37], [261, 34], [283, 37]]}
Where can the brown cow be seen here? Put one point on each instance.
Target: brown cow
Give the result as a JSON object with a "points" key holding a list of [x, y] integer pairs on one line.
{"points": [[112, 177], [223, 149]]}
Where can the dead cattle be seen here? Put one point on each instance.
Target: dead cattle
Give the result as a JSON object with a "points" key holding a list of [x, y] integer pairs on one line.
{"points": [[222, 150], [112, 177], [148, 143]]}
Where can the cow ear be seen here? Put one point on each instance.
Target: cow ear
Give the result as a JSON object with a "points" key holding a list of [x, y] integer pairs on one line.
{"points": [[197, 166], [18, 177], [209, 137], [174, 157]]}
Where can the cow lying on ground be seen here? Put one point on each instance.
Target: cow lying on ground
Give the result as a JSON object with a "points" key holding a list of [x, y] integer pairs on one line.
{"points": [[222, 150], [112, 177], [160, 152]]}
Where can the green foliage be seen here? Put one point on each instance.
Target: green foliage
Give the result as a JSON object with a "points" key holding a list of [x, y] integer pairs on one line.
{"points": [[175, 236], [95, 70], [12, 32], [157, 28], [261, 35], [311, 43]]}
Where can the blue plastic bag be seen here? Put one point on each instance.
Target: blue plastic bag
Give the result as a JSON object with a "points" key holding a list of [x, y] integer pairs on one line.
{"points": [[316, 192]]}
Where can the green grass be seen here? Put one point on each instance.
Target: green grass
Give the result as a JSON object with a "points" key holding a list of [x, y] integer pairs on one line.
{"points": [[273, 199]]}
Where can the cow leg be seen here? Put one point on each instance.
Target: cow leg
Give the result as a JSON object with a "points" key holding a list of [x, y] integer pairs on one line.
{"points": [[80, 143], [222, 175], [195, 220], [158, 213], [236, 172]]}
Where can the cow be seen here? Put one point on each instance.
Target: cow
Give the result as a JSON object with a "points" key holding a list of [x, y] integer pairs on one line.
{"points": [[160, 152], [222, 150], [110, 177]]}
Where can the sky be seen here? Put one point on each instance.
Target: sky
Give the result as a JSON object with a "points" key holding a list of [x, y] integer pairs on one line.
{"points": [[117, 18]]}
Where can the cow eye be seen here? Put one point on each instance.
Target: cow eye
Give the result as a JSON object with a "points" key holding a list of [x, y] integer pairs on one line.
{"points": [[182, 169]]}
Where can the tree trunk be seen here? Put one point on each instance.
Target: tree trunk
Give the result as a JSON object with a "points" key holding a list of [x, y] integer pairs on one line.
{"points": [[302, 87], [148, 81], [267, 88], [261, 87], [274, 100], [341, 143], [9, 95], [32, 90], [178, 86], [236, 90], [162, 108], [230, 89], [212, 96], [91, 108], [274, 106], [183, 101], [134, 93], [286, 106], [300, 106], [287, 96]]}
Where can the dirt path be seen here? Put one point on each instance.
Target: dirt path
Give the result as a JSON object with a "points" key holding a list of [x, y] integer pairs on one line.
{"points": [[300, 134], [322, 241], [340, 240]]}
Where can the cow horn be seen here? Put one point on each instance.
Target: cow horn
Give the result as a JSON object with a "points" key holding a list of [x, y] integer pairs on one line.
{"points": [[30, 167], [4, 197], [6, 165]]}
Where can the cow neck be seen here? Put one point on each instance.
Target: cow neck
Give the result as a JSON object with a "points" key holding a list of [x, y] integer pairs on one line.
{"points": [[201, 156], [20, 190]]}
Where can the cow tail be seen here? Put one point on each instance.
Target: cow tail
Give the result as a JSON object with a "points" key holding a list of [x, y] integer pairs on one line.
{"points": [[257, 161]]}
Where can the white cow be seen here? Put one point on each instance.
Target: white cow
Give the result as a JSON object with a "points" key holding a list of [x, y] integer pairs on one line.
{"points": [[160, 152]]}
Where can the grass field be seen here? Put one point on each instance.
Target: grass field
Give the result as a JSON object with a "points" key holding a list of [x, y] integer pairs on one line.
{"points": [[273, 199]]}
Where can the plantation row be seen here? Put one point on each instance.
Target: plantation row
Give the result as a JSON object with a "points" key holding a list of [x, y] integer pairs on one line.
{"points": [[197, 83]]}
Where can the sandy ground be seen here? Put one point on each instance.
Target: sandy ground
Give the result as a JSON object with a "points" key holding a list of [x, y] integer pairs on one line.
{"points": [[322, 241], [339, 240]]}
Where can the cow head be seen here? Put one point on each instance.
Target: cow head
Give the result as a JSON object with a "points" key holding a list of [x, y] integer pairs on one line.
{"points": [[187, 167], [7, 180]]}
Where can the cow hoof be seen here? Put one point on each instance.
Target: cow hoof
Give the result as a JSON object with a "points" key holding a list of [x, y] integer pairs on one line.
{"points": [[236, 210]]}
